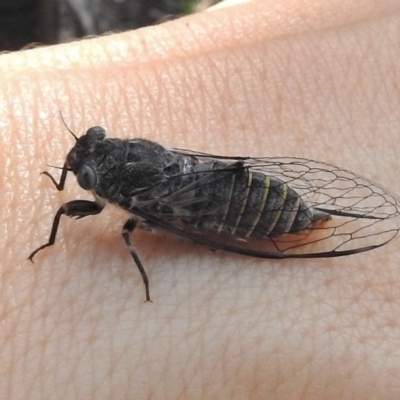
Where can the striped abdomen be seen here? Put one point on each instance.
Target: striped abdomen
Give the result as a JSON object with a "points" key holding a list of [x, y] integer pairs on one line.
{"points": [[249, 204]]}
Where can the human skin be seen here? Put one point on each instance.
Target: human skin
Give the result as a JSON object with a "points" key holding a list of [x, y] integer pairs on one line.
{"points": [[292, 78]]}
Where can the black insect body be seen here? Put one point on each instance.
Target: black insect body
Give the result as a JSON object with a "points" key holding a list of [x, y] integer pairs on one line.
{"points": [[261, 207]]}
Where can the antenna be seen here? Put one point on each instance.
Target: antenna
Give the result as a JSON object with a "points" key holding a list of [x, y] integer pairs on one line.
{"points": [[69, 130]]}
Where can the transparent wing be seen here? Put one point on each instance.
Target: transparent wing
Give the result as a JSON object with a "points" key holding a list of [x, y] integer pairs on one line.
{"points": [[324, 186], [363, 215]]}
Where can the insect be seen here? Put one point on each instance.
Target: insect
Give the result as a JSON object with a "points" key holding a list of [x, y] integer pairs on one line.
{"points": [[261, 207]]}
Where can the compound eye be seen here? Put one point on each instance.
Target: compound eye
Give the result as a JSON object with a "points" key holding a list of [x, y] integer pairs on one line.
{"points": [[86, 177], [96, 132]]}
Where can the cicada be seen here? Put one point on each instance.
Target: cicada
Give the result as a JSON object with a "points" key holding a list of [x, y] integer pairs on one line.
{"points": [[260, 207]]}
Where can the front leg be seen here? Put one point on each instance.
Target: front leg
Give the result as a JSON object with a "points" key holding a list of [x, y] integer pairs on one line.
{"points": [[59, 185], [127, 229], [75, 208]]}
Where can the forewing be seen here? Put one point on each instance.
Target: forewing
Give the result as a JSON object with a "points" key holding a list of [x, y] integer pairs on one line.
{"points": [[363, 215]]}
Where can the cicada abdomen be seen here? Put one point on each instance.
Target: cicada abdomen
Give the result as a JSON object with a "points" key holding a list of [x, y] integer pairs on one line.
{"points": [[247, 204]]}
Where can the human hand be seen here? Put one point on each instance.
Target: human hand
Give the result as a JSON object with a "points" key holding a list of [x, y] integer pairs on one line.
{"points": [[291, 78]]}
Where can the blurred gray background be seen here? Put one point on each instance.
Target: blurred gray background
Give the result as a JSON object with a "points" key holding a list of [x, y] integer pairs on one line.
{"points": [[24, 22]]}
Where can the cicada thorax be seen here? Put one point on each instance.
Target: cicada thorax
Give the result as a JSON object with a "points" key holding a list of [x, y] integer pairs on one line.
{"points": [[249, 204]]}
